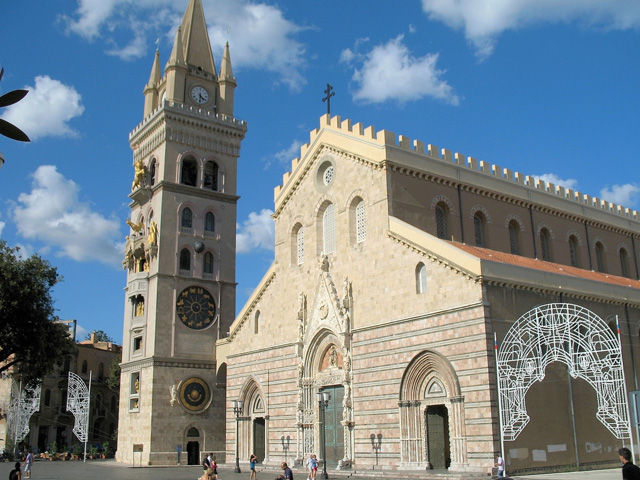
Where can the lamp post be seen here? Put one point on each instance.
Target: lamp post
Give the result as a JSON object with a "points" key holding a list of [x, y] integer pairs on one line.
{"points": [[237, 409], [323, 402]]}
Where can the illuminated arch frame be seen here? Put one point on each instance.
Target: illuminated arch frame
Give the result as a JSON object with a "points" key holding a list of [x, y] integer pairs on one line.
{"points": [[574, 336]]}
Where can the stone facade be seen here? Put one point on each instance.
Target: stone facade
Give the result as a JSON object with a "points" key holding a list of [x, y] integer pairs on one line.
{"points": [[379, 299]]}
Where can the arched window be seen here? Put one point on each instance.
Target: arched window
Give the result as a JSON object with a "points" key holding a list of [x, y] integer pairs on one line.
{"points": [[478, 229], [189, 173], [211, 176], [186, 221], [329, 230], [209, 223], [545, 245], [208, 263], [624, 262], [101, 371], [300, 245], [152, 172], [113, 403], [514, 237], [185, 259], [193, 432], [361, 222], [442, 214], [600, 262], [47, 397], [573, 251], [85, 366], [421, 278], [256, 322]]}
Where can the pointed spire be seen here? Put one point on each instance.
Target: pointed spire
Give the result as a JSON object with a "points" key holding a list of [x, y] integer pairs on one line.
{"points": [[226, 73], [155, 76], [177, 54], [195, 38]]}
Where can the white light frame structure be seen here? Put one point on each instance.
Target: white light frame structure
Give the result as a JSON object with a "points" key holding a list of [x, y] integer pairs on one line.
{"points": [[24, 403], [575, 336], [78, 402]]}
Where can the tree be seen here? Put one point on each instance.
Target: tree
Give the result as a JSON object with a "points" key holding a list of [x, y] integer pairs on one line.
{"points": [[100, 336], [31, 342], [113, 380]]}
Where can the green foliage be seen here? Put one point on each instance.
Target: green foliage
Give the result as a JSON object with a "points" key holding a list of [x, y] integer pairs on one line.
{"points": [[113, 380], [100, 336], [77, 449], [31, 342], [54, 447]]}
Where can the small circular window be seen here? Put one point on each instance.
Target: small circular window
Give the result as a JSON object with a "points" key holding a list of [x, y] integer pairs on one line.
{"points": [[327, 176]]}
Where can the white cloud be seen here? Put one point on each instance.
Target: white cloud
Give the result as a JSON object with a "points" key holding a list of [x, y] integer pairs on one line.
{"points": [[256, 232], [484, 20], [556, 180], [259, 34], [626, 195], [390, 72], [2, 224], [285, 156], [46, 110], [53, 213]]}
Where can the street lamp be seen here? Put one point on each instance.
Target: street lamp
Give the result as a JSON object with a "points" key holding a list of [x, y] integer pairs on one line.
{"points": [[237, 409], [323, 402]]}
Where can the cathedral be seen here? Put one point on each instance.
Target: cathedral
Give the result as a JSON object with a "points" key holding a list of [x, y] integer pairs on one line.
{"points": [[425, 310]]}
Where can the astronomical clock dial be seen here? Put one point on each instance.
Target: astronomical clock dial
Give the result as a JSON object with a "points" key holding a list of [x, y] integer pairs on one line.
{"points": [[195, 394], [196, 308]]}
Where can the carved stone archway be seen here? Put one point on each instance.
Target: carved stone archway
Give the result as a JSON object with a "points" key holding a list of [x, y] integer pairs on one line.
{"points": [[430, 380], [254, 408], [575, 336]]}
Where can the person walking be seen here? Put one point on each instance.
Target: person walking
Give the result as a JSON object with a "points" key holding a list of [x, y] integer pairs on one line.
{"points": [[500, 465], [28, 462], [16, 474], [252, 466], [629, 470]]}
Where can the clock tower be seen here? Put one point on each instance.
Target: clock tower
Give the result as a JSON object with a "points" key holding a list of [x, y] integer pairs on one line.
{"points": [[180, 255]]}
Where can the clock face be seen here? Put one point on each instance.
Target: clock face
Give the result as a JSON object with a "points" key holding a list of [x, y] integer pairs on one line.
{"points": [[199, 95], [196, 308], [195, 394]]}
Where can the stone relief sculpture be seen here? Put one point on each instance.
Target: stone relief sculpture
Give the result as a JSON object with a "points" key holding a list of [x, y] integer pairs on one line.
{"points": [[173, 390], [138, 176]]}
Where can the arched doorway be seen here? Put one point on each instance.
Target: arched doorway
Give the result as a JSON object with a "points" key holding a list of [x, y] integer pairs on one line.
{"points": [[258, 438], [437, 435], [333, 428], [193, 453]]}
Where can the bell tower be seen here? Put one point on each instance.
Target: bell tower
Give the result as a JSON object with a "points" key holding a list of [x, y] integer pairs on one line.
{"points": [[180, 255]]}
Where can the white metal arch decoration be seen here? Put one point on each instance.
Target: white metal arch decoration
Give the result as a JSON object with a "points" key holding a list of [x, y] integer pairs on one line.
{"points": [[570, 334]]}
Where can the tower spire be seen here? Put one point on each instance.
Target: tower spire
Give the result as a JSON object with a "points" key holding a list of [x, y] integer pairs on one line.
{"points": [[151, 88], [195, 38], [227, 84]]}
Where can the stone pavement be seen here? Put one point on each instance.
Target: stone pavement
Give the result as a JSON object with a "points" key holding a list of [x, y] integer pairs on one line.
{"points": [[110, 470]]}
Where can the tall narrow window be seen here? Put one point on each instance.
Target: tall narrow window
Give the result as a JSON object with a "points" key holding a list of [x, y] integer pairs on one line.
{"points": [[514, 237], [152, 172], [185, 259], [84, 366], [256, 322], [600, 257], [211, 176], [478, 229], [101, 371], [208, 263], [187, 219], [300, 245], [361, 222], [209, 223], [421, 278], [624, 262], [441, 220], [189, 173], [545, 244], [573, 251], [329, 229]]}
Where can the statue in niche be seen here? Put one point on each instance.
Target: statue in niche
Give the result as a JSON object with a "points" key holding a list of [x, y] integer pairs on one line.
{"points": [[333, 357], [174, 395], [137, 385], [152, 238], [140, 307], [300, 371], [324, 263], [346, 287], [138, 176], [347, 362]]}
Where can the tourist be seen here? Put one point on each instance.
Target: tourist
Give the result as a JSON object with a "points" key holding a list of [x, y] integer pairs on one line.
{"points": [[500, 465], [206, 467], [214, 466], [629, 470], [28, 462], [15, 473], [288, 474], [252, 466]]}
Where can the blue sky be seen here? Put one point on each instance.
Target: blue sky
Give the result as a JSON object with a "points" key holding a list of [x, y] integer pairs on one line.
{"points": [[543, 87]]}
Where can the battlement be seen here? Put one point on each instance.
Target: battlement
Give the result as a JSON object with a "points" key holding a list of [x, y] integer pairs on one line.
{"points": [[191, 111], [387, 139]]}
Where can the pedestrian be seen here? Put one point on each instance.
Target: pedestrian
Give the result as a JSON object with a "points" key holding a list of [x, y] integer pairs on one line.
{"points": [[252, 465], [314, 466], [288, 474], [309, 466], [16, 474], [629, 470], [207, 470], [214, 466], [28, 462], [500, 465]]}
